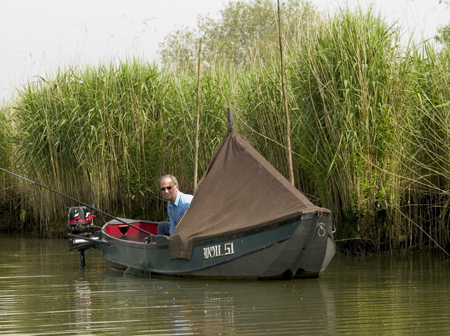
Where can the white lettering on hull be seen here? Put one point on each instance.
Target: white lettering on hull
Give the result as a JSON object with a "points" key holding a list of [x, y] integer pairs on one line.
{"points": [[217, 251]]}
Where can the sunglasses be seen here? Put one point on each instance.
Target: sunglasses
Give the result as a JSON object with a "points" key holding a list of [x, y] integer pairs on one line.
{"points": [[168, 188]]}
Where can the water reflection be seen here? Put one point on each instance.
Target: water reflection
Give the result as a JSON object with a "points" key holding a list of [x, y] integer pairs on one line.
{"points": [[43, 291], [222, 307], [82, 303], [219, 311]]}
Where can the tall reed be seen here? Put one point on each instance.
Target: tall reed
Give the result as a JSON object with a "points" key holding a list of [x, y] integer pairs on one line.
{"points": [[6, 155], [180, 117], [425, 149], [345, 83], [371, 116]]}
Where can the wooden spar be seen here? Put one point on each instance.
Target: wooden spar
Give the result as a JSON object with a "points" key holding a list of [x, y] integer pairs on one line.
{"points": [[197, 124], [285, 102]]}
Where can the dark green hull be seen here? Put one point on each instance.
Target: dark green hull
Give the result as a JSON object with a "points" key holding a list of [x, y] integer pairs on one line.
{"points": [[296, 248]]}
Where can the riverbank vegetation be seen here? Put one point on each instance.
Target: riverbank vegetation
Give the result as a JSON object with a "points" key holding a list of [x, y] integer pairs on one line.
{"points": [[369, 116]]}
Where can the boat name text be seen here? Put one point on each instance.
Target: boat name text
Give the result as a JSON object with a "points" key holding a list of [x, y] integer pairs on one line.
{"points": [[217, 250]]}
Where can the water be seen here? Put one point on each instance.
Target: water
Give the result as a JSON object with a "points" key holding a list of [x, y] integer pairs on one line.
{"points": [[43, 292]]}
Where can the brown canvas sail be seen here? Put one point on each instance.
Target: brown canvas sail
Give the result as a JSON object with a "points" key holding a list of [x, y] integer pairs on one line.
{"points": [[240, 191]]}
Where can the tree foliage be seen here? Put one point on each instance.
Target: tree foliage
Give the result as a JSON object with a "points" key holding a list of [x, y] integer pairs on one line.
{"points": [[443, 35], [244, 29]]}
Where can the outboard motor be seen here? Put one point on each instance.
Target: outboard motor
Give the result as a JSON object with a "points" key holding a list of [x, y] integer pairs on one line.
{"points": [[80, 225], [80, 220]]}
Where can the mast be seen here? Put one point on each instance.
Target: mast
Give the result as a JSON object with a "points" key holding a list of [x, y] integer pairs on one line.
{"points": [[285, 102], [197, 124]]}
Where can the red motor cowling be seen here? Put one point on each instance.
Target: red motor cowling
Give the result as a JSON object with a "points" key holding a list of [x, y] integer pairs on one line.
{"points": [[80, 219]]}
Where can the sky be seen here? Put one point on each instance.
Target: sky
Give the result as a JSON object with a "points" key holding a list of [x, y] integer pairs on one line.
{"points": [[39, 36]]}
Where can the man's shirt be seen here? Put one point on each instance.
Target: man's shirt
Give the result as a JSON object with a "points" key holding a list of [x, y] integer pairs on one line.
{"points": [[178, 208]]}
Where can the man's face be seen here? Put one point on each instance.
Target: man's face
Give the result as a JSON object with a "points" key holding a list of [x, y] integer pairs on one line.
{"points": [[169, 189]]}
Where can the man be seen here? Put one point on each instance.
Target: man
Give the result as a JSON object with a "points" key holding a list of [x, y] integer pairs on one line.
{"points": [[177, 205]]}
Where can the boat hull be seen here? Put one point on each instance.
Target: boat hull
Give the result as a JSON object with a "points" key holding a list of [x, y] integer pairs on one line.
{"points": [[296, 248]]}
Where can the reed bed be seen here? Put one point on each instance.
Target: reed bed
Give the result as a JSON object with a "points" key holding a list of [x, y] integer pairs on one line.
{"points": [[425, 151], [370, 131], [180, 112], [368, 122], [105, 135], [344, 84], [93, 134], [8, 190]]}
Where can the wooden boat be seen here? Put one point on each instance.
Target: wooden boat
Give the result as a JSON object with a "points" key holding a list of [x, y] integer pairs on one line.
{"points": [[245, 221]]}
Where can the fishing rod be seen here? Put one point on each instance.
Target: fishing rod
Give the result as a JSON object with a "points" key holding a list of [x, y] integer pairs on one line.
{"points": [[75, 200]]}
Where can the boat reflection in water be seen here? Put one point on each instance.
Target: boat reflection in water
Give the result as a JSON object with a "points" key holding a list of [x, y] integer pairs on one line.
{"points": [[213, 307], [245, 221]]}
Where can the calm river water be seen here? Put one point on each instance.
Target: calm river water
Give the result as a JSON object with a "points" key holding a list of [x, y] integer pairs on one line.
{"points": [[43, 292]]}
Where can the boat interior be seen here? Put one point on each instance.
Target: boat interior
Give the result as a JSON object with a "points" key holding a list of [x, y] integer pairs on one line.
{"points": [[126, 232]]}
